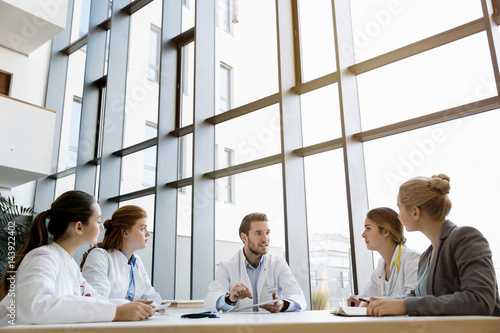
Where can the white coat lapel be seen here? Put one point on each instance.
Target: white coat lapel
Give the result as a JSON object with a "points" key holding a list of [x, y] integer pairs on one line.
{"points": [[245, 280], [264, 273]]}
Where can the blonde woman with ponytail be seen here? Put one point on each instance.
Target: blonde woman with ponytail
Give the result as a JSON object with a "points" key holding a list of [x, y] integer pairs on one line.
{"points": [[112, 267], [45, 285], [455, 274]]}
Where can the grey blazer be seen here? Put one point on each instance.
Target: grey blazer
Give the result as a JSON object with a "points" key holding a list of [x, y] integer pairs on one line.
{"points": [[461, 278]]}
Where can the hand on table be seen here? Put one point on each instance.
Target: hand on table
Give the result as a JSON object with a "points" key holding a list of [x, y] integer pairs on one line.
{"points": [[134, 311], [382, 307]]}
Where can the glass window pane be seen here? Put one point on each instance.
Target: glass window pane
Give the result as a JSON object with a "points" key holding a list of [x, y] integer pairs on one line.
{"points": [[183, 250], [255, 71], [320, 114], [185, 156], [225, 88], [380, 26], [252, 136], [316, 38], [445, 77], [70, 130], [187, 85], [74, 133], [462, 149], [64, 184], [138, 170], [269, 201], [227, 14], [142, 94], [106, 54], [97, 179], [148, 204], [81, 15], [328, 229], [154, 54], [188, 14]]}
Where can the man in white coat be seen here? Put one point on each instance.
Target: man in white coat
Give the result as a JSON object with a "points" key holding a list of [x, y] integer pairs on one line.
{"points": [[254, 276]]}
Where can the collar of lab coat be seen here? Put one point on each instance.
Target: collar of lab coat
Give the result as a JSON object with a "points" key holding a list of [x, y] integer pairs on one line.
{"points": [[61, 251], [381, 268]]}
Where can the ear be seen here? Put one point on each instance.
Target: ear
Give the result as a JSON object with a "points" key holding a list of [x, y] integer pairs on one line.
{"points": [[125, 233], [416, 213], [78, 228], [243, 237]]}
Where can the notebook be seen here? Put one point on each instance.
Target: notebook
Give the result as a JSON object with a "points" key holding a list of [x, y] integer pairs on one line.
{"points": [[350, 311]]}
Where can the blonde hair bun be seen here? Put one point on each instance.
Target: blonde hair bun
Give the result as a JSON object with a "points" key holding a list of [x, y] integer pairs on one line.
{"points": [[441, 182]]}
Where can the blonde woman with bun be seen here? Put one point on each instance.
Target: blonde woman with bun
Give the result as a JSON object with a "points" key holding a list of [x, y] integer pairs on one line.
{"points": [[112, 267], [396, 272], [455, 274]]}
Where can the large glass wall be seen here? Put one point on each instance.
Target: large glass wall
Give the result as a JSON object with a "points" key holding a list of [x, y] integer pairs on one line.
{"points": [[306, 118]]}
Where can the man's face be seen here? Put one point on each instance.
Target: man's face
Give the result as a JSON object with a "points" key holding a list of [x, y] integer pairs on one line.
{"points": [[258, 237]]}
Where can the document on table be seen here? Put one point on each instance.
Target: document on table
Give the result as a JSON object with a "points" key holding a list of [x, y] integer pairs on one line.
{"points": [[350, 311]]}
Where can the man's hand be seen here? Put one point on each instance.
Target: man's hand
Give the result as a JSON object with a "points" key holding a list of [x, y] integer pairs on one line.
{"points": [[275, 307], [239, 291], [134, 311], [384, 307]]}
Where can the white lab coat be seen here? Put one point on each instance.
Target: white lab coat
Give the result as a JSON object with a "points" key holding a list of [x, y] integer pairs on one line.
{"points": [[274, 273], [49, 288], [400, 283], [108, 272]]}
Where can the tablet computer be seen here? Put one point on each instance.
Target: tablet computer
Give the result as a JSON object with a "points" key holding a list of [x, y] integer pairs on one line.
{"points": [[260, 304]]}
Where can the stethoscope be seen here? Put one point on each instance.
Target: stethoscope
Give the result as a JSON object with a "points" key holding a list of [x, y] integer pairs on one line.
{"points": [[395, 262]]}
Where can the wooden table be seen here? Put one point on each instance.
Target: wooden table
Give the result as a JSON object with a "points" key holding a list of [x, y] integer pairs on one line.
{"points": [[290, 322]]}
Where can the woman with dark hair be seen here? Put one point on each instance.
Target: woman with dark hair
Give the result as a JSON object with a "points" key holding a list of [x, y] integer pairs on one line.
{"points": [[396, 272], [112, 267], [44, 284]]}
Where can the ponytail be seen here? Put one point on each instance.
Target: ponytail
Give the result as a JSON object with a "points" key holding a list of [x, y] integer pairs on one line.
{"points": [[37, 237], [70, 207]]}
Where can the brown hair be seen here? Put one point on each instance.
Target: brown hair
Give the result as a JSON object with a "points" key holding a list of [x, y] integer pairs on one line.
{"points": [[124, 218], [246, 223], [70, 207], [429, 194], [387, 219]]}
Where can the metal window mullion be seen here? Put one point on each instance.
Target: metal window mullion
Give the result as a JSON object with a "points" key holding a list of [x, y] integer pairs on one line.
{"points": [[203, 200], [493, 39], [354, 164], [54, 100], [165, 235], [110, 175], [294, 198], [94, 68]]}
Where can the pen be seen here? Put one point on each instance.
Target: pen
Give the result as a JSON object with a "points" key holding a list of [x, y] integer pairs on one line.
{"points": [[366, 300]]}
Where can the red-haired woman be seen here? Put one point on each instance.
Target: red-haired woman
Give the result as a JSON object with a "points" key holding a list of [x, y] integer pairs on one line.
{"points": [[112, 267]]}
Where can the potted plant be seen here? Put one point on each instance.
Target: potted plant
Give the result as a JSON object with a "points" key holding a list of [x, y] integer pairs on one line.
{"points": [[15, 222]]}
